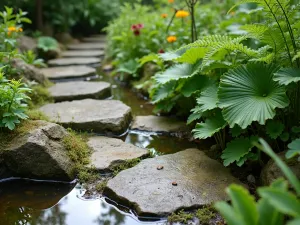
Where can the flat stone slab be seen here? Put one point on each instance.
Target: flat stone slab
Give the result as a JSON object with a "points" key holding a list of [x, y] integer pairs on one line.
{"points": [[87, 46], [98, 38], [188, 179], [78, 90], [111, 152], [159, 124], [101, 116], [76, 53], [68, 72], [74, 61]]}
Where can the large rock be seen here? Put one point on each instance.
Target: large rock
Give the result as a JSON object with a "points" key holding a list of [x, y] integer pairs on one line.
{"points": [[158, 124], [271, 171], [40, 154], [28, 71], [68, 72], [26, 43], [188, 179], [87, 46], [102, 116], [86, 53], [78, 90], [74, 61], [110, 152]]}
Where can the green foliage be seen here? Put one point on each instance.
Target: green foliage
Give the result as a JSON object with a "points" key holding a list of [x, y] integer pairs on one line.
{"points": [[30, 57], [294, 149], [13, 98], [125, 165], [47, 43], [181, 217], [276, 201]]}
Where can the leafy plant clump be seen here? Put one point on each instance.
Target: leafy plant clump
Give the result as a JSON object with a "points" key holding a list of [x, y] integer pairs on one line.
{"points": [[40, 95], [180, 217], [205, 214]]}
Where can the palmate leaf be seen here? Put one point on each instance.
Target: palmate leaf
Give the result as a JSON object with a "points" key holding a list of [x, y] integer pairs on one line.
{"points": [[192, 55], [171, 56], [193, 84], [248, 93], [180, 71], [208, 98], [243, 210], [163, 91], [274, 129], [210, 127], [285, 76], [235, 150], [294, 149]]}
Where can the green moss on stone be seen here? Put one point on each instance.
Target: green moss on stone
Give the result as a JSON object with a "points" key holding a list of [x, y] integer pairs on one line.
{"points": [[40, 96], [125, 165], [205, 214], [180, 217]]}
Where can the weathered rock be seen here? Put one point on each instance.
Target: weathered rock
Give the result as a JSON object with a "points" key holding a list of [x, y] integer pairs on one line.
{"points": [[98, 38], [40, 154], [271, 171], [87, 46], [64, 38], [68, 72], [102, 116], [84, 53], [78, 90], [110, 152], [28, 71], [26, 43], [74, 61], [159, 124], [200, 181]]}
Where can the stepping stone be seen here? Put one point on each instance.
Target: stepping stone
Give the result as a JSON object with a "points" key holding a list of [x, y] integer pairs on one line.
{"points": [[159, 124], [92, 53], [111, 152], [68, 72], [78, 90], [74, 61], [98, 38], [101, 116], [87, 46], [188, 179]]}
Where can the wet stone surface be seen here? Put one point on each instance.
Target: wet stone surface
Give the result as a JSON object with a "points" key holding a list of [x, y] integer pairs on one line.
{"points": [[110, 152], [100, 116], [90, 53], [78, 90], [188, 179], [87, 46], [98, 38], [68, 72], [74, 61]]}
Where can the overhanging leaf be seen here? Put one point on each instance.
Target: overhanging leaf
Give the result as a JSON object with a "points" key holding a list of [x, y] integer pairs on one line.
{"points": [[210, 127], [192, 55], [195, 83], [248, 93], [163, 91], [274, 129], [294, 149], [208, 98], [285, 76], [170, 56]]}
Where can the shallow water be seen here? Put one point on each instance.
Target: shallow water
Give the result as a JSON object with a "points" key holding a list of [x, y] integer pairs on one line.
{"points": [[38, 203]]}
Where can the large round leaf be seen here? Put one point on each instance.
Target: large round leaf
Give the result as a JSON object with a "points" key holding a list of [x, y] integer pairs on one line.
{"points": [[248, 93], [286, 76]]}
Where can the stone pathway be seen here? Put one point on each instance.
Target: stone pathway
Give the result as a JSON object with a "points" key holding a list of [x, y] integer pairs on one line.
{"points": [[156, 186]]}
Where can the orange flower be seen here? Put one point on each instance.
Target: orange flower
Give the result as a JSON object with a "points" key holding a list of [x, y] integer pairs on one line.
{"points": [[182, 14], [171, 1], [164, 15], [20, 29], [171, 39]]}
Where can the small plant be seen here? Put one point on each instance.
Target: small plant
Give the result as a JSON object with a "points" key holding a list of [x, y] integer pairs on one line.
{"points": [[31, 58], [13, 99], [47, 44]]}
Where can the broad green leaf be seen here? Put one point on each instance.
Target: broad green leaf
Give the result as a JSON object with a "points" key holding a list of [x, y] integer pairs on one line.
{"points": [[180, 71], [194, 116], [294, 222], [208, 98], [192, 55], [274, 129], [210, 127], [163, 91], [282, 200], [248, 93], [195, 83], [236, 131], [294, 149], [229, 214], [129, 67], [235, 150], [151, 58], [285, 76], [170, 56], [268, 214]]}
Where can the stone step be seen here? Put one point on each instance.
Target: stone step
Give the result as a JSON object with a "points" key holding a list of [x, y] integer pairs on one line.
{"points": [[83, 53], [160, 124], [111, 152], [165, 184], [87, 46], [97, 38], [101, 116], [92, 61], [56, 73], [78, 90]]}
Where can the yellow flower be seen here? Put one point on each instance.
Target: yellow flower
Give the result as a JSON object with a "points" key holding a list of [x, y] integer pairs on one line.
{"points": [[20, 29], [12, 29], [182, 14], [164, 15], [171, 1], [171, 39]]}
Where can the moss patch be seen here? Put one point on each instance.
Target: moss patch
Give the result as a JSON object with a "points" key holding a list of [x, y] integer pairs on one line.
{"points": [[205, 214], [40, 96], [35, 114], [180, 217], [125, 165], [100, 186]]}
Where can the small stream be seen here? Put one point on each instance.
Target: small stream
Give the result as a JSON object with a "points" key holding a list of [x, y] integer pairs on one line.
{"points": [[29, 202]]}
